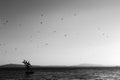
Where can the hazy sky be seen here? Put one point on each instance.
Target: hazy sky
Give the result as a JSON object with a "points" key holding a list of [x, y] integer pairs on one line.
{"points": [[60, 32]]}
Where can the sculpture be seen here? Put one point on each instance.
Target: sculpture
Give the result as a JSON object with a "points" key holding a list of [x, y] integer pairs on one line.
{"points": [[28, 67]]}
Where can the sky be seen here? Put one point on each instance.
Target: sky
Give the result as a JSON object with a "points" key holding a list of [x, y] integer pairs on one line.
{"points": [[60, 32]]}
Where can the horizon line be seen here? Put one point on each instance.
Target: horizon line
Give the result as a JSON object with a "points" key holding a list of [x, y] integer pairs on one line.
{"points": [[78, 65]]}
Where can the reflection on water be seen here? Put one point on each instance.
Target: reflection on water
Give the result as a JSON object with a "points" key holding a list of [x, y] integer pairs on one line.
{"points": [[27, 77]]}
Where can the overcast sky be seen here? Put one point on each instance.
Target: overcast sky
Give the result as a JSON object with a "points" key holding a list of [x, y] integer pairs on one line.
{"points": [[60, 32]]}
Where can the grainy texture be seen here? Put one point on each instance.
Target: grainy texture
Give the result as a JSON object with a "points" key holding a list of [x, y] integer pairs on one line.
{"points": [[65, 74]]}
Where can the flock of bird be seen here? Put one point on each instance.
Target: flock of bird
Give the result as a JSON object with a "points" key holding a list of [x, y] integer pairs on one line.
{"points": [[4, 20]]}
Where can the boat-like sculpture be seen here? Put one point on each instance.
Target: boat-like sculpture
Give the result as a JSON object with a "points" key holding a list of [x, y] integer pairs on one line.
{"points": [[28, 69]]}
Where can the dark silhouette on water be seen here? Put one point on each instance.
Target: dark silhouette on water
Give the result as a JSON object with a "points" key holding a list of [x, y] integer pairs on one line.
{"points": [[28, 67]]}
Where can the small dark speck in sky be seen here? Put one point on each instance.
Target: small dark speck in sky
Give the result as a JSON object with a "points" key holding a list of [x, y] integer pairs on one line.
{"points": [[0, 44], [62, 19], [65, 35], [15, 49], [3, 20], [41, 22], [31, 37], [54, 31], [38, 31], [75, 14], [6, 21], [46, 44], [103, 34], [20, 25], [98, 29], [42, 15]]}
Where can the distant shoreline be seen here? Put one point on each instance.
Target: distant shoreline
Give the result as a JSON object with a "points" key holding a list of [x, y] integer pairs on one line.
{"points": [[65, 67]]}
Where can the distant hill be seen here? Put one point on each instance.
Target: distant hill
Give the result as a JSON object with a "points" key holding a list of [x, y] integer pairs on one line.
{"points": [[16, 66], [11, 66], [21, 66]]}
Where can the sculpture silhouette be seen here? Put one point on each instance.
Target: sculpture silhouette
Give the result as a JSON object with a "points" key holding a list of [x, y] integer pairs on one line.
{"points": [[28, 67]]}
